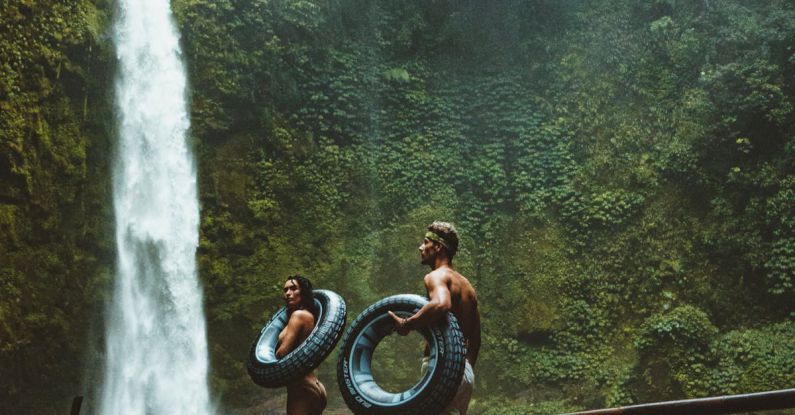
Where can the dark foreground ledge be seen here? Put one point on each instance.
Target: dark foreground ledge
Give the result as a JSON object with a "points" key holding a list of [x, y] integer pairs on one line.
{"points": [[76, 403], [730, 404]]}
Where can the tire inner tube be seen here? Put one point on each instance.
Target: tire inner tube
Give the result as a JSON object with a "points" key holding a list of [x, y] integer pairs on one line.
{"points": [[266, 370], [435, 388]]}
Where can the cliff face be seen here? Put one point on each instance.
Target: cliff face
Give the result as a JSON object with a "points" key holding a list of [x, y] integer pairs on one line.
{"points": [[621, 173], [55, 256]]}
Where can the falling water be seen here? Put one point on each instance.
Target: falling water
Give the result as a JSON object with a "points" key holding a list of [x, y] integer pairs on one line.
{"points": [[156, 353]]}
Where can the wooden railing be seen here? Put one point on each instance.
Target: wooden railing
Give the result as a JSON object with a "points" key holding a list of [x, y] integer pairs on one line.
{"points": [[730, 404], [76, 403]]}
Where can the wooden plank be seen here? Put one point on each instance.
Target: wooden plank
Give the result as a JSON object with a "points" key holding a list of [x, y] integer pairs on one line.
{"points": [[729, 404], [77, 402]]}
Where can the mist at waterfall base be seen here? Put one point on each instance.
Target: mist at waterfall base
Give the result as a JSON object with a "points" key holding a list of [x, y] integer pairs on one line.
{"points": [[156, 350]]}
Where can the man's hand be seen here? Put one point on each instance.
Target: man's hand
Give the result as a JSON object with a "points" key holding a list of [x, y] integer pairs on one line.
{"points": [[400, 324]]}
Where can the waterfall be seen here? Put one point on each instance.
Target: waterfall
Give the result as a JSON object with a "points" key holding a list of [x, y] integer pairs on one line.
{"points": [[156, 346]]}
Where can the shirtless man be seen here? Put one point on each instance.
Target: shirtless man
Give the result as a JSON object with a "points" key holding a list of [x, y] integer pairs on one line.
{"points": [[447, 291]]}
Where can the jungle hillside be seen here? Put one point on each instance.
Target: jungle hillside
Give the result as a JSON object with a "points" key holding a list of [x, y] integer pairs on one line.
{"points": [[621, 173]]}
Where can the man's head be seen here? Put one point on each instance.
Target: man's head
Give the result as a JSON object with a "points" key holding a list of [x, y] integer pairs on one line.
{"points": [[440, 238]]}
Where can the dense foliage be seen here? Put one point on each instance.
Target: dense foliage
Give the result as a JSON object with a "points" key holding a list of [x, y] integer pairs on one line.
{"points": [[55, 226], [621, 173]]}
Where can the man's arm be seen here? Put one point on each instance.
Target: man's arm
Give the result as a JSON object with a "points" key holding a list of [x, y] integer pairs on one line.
{"points": [[298, 322], [438, 304]]}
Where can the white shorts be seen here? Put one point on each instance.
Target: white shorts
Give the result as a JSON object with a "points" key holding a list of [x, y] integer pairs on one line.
{"points": [[460, 401]]}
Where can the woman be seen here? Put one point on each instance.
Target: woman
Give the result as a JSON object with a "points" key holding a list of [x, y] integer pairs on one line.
{"points": [[305, 396]]}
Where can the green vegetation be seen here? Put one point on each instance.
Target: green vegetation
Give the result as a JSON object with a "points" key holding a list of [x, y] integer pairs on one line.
{"points": [[55, 223], [622, 173]]}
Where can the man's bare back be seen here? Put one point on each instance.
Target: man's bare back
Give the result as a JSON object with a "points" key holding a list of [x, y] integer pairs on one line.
{"points": [[464, 306]]}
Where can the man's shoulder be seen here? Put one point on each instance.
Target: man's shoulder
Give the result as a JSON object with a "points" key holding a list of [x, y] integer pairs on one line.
{"points": [[439, 274], [448, 274]]}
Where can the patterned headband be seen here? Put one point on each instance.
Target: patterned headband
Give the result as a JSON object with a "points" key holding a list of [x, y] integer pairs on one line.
{"points": [[436, 238]]}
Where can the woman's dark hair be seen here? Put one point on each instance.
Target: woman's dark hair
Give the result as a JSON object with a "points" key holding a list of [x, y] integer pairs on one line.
{"points": [[307, 296]]}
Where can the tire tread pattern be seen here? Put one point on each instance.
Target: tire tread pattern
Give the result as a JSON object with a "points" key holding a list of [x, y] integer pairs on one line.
{"points": [[308, 355], [443, 386]]}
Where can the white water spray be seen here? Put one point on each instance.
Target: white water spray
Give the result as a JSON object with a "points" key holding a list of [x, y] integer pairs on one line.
{"points": [[156, 352]]}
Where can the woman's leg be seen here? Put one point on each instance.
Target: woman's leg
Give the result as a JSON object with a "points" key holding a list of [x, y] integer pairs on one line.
{"points": [[322, 398], [299, 403], [306, 398]]}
